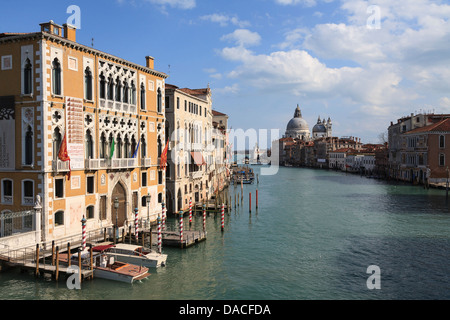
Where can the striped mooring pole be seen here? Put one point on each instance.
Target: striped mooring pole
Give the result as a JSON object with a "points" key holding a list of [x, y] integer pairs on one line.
{"points": [[190, 212], [136, 227], [159, 236], [204, 218], [83, 226], [223, 216], [163, 216], [181, 228]]}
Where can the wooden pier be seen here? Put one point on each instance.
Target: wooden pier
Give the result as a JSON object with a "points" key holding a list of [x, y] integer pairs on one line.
{"points": [[190, 238]]}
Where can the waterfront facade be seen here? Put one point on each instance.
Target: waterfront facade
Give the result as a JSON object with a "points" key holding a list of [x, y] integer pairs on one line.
{"points": [[189, 121], [417, 148], [105, 112]]}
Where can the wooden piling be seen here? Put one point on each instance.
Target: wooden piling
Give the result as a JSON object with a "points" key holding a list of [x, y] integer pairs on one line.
{"points": [[79, 263], [91, 252], [250, 202], [57, 264], [104, 235], [53, 253], [129, 234], [37, 260], [68, 253], [123, 235], [257, 199]]}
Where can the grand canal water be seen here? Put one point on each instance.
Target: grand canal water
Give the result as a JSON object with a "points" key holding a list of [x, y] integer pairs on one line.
{"points": [[313, 237]]}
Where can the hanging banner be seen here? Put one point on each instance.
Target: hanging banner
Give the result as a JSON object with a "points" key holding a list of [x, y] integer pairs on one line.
{"points": [[74, 130], [7, 133]]}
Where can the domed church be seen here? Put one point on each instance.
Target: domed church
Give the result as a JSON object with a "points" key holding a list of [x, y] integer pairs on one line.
{"points": [[298, 128]]}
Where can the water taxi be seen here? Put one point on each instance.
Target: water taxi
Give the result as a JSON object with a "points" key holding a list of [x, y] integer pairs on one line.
{"points": [[137, 255]]}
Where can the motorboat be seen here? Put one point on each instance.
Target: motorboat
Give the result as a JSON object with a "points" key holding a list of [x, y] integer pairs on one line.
{"points": [[137, 255], [107, 267]]}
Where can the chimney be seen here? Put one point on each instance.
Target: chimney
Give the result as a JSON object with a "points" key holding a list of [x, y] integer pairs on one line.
{"points": [[150, 62], [70, 32]]}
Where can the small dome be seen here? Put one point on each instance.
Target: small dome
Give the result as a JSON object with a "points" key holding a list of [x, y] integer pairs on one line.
{"points": [[319, 128]]}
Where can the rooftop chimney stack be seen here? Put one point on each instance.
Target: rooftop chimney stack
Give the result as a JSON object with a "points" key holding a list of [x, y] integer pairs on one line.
{"points": [[150, 62], [70, 32]]}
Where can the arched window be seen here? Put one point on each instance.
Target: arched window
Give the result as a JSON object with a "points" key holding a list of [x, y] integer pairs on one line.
{"points": [[159, 102], [441, 141], [103, 154], [56, 77], [133, 146], [143, 147], [29, 146], [27, 192], [56, 142], [127, 147], [89, 145], [27, 78], [102, 86], [7, 191], [118, 90], [110, 88], [88, 84], [159, 147], [110, 140], [142, 97], [133, 93], [119, 147], [59, 218], [126, 92]]}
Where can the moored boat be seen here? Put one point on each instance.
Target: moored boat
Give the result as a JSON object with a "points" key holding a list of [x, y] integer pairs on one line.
{"points": [[107, 267], [137, 255]]}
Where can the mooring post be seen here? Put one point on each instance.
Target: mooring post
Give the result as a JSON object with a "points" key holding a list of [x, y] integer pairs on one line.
{"points": [[68, 253], [250, 202], [129, 234], [181, 228], [53, 252], [256, 199], [79, 263], [57, 264], [37, 260], [91, 253], [104, 234], [223, 217], [204, 218]]}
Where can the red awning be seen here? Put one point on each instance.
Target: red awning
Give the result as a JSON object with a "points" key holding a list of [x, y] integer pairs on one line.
{"points": [[198, 158], [102, 248]]}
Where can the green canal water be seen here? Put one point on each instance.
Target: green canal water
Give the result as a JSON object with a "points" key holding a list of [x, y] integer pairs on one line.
{"points": [[313, 236]]}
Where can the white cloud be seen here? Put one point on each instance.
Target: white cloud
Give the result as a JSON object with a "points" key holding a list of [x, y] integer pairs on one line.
{"points": [[179, 4], [233, 89], [306, 3], [243, 37], [224, 20]]}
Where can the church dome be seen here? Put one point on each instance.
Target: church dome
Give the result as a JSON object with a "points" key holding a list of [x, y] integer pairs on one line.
{"points": [[297, 124], [320, 127]]}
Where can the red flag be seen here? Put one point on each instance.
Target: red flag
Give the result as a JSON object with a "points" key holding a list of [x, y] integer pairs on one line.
{"points": [[164, 157], [63, 155]]}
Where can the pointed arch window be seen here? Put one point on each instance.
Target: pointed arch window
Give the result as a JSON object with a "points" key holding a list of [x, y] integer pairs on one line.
{"points": [[56, 77], [29, 146], [119, 147], [127, 147], [88, 84], [143, 147], [142, 97], [133, 93], [118, 90], [89, 145], [102, 86], [57, 138], [103, 146], [126, 92], [27, 78], [110, 88]]}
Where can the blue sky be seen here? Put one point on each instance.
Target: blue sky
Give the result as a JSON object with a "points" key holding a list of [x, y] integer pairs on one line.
{"points": [[362, 63]]}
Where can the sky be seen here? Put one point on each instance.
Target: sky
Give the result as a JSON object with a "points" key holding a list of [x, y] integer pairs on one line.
{"points": [[361, 63]]}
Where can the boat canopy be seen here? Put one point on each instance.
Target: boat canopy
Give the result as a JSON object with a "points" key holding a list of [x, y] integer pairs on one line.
{"points": [[102, 248]]}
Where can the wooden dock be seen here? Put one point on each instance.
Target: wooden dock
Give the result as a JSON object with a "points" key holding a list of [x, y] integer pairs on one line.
{"points": [[190, 238]]}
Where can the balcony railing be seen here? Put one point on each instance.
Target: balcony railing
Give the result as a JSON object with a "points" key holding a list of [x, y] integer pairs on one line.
{"points": [[197, 175], [60, 166], [146, 162], [96, 164], [118, 106], [123, 163]]}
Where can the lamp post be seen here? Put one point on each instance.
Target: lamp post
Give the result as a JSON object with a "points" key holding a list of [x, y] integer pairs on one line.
{"points": [[149, 197], [116, 229]]}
